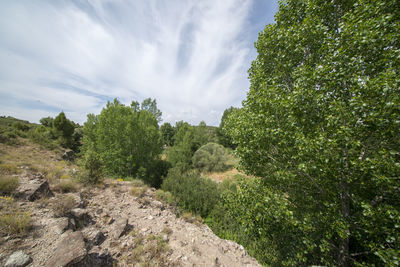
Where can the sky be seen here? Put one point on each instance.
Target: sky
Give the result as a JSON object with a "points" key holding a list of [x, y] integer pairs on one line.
{"points": [[73, 56]]}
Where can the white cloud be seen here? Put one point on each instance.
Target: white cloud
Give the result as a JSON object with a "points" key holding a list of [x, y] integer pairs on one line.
{"points": [[192, 56]]}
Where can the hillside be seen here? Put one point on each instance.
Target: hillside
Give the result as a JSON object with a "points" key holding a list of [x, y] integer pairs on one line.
{"points": [[116, 223]]}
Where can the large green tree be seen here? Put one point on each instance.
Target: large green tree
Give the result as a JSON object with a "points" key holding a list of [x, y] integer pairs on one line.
{"points": [[321, 125], [223, 137], [127, 138]]}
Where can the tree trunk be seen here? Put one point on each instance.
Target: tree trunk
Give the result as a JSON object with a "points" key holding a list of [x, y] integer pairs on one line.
{"points": [[343, 257]]}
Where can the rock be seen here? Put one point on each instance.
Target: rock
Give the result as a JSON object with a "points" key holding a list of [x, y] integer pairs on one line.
{"points": [[68, 155], [165, 238], [62, 225], [70, 250], [18, 259], [95, 238], [158, 204], [33, 190], [102, 259], [81, 216], [110, 220], [119, 228]]}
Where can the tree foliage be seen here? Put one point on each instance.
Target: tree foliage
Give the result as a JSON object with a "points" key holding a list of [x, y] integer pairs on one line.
{"points": [[211, 157], [126, 138], [167, 133], [63, 128], [321, 125], [223, 136]]}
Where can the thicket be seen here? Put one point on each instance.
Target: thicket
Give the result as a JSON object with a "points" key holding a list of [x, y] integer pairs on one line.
{"points": [[192, 192], [12, 128]]}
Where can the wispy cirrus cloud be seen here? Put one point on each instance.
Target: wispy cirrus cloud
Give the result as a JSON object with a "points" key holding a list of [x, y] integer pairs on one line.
{"points": [[192, 56]]}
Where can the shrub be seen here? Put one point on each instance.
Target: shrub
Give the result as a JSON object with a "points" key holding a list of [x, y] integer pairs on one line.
{"points": [[42, 136], [164, 196], [212, 157], [8, 185], [138, 191], [137, 183], [20, 126], [66, 185], [94, 167], [193, 193], [63, 206]]}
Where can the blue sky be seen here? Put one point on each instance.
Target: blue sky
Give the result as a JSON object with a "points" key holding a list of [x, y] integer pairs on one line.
{"points": [[191, 56]]}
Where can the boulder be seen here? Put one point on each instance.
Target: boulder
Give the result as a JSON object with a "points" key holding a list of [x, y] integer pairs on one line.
{"points": [[34, 189], [70, 251], [81, 216], [18, 259], [98, 258], [119, 228], [61, 225]]}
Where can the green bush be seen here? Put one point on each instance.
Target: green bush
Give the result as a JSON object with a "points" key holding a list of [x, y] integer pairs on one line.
{"points": [[8, 137], [264, 223], [42, 136], [164, 196], [212, 157], [20, 126], [191, 192]]}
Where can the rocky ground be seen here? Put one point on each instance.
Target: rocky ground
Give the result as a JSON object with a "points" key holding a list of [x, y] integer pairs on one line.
{"points": [[108, 226]]}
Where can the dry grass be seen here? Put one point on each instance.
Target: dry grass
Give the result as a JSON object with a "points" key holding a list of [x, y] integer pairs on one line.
{"points": [[221, 176], [148, 250], [34, 158], [62, 207], [66, 185], [13, 221], [9, 169], [8, 185], [190, 218], [138, 191]]}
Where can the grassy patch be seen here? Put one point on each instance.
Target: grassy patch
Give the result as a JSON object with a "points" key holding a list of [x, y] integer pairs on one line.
{"points": [[137, 183], [62, 207], [8, 185], [13, 221], [8, 169], [190, 218], [66, 185], [138, 191]]}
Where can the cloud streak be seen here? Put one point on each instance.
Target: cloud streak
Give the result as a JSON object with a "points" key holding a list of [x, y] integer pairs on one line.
{"points": [[192, 56]]}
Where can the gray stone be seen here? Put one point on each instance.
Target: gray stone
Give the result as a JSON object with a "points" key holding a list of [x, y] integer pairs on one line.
{"points": [[61, 225], [81, 216], [33, 190], [70, 250], [119, 228], [18, 259]]}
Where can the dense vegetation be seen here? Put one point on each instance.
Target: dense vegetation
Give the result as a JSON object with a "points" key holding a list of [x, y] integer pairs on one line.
{"points": [[319, 133], [321, 126]]}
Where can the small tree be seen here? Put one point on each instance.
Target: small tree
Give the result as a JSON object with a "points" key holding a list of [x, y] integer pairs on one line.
{"points": [[93, 165], [64, 129]]}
